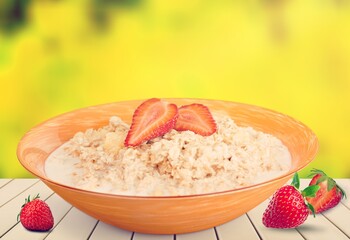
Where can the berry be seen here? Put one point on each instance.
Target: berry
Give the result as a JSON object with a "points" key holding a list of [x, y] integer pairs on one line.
{"points": [[36, 215], [329, 195], [153, 118], [287, 208], [196, 118]]}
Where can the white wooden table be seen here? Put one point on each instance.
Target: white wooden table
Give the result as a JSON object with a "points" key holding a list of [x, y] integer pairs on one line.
{"points": [[70, 223]]}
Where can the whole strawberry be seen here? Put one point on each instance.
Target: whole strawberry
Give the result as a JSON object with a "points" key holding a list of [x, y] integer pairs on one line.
{"points": [[36, 215], [287, 208], [329, 195]]}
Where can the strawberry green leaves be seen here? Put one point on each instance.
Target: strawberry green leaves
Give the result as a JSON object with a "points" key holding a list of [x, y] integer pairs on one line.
{"points": [[309, 191], [322, 194], [296, 181], [329, 194], [288, 207]]}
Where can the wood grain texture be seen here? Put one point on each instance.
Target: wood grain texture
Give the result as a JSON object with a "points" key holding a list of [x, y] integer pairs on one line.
{"points": [[239, 228], [320, 228], [71, 223], [13, 188], [166, 215], [345, 184], [108, 232], [208, 234], [141, 236], [339, 216], [4, 181], [75, 225]]}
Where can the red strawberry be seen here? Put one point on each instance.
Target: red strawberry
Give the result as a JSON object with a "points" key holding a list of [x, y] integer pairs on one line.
{"points": [[196, 118], [329, 195], [287, 208], [36, 215], [153, 118]]}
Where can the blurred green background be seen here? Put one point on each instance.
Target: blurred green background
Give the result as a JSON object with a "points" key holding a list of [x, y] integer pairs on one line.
{"points": [[290, 56]]}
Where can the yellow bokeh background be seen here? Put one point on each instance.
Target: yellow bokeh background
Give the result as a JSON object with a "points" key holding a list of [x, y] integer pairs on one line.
{"points": [[290, 56]]}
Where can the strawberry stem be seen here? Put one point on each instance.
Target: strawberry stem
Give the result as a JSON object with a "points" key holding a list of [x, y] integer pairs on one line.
{"points": [[315, 171], [296, 181], [311, 208], [37, 196], [26, 200]]}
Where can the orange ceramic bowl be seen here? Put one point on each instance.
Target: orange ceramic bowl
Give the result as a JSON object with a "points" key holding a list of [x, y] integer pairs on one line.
{"points": [[172, 214]]}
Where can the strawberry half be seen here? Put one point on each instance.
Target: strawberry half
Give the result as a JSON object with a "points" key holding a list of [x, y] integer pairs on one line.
{"points": [[287, 208], [196, 118], [329, 195], [36, 215], [153, 118]]}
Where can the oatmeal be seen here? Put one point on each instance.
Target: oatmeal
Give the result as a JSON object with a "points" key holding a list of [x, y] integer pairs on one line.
{"points": [[178, 163]]}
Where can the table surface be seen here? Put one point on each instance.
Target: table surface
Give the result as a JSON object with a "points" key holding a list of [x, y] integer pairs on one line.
{"points": [[70, 223]]}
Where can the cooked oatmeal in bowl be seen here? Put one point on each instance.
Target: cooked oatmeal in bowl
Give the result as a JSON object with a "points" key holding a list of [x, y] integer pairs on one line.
{"points": [[177, 163]]}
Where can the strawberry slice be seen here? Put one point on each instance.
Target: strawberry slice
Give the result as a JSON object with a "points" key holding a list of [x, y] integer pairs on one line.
{"points": [[196, 118], [329, 195], [153, 118]]}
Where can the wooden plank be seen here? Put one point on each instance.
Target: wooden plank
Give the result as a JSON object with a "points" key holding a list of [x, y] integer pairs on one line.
{"points": [[14, 188], [108, 232], [265, 233], [3, 181], [340, 217], [141, 236], [320, 228], [9, 211], [332, 224], [58, 207], [208, 234], [240, 228], [75, 225]]}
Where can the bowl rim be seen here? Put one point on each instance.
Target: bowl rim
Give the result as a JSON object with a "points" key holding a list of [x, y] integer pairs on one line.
{"points": [[288, 174]]}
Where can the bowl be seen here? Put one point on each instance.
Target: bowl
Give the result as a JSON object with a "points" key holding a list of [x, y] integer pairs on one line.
{"points": [[166, 214]]}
